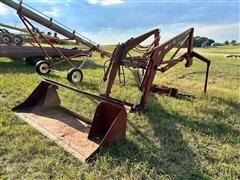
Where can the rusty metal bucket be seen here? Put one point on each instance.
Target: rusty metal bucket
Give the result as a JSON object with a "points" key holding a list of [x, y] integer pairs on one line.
{"points": [[75, 133]]}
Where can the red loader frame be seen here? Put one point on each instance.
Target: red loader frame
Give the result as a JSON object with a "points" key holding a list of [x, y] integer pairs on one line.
{"points": [[151, 61]]}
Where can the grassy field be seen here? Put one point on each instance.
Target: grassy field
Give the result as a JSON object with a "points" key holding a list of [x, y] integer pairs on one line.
{"points": [[174, 139]]}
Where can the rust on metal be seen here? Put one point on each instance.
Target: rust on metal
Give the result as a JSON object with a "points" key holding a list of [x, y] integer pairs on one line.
{"points": [[75, 74], [78, 135], [28, 12], [151, 60], [30, 51]]}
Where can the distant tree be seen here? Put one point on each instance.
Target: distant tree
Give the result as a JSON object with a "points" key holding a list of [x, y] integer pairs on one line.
{"points": [[233, 42], [217, 44], [210, 42], [199, 41], [226, 42]]}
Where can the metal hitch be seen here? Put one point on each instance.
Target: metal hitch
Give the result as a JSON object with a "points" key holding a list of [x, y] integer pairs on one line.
{"points": [[76, 134]]}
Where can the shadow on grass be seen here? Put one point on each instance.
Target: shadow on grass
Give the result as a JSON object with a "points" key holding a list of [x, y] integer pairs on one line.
{"points": [[229, 108], [166, 151], [20, 66], [89, 64], [191, 73], [220, 130], [176, 158], [233, 104], [16, 66]]}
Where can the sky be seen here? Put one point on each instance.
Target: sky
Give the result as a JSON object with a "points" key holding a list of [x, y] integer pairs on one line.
{"points": [[113, 21]]}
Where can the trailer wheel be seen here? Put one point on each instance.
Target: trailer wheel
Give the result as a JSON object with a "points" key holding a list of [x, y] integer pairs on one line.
{"points": [[17, 40], [42, 67], [6, 39], [36, 59], [33, 60], [75, 75], [29, 60]]}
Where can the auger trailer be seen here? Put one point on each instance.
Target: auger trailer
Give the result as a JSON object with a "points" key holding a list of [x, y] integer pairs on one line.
{"points": [[34, 54], [26, 13]]}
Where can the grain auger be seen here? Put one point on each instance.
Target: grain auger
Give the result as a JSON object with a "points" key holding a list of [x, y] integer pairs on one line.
{"points": [[43, 67]]}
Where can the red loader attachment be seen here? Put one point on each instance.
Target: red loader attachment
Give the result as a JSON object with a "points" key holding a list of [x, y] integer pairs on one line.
{"points": [[150, 60], [76, 134]]}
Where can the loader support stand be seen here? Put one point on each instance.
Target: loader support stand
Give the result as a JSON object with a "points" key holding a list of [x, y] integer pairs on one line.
{"points": [[153, 60], [208, 62]]}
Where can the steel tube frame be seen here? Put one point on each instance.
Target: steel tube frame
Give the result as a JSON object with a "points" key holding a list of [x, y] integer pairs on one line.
{"points": [[65, 59], [154, 62], [53, 26], [35, 39]]}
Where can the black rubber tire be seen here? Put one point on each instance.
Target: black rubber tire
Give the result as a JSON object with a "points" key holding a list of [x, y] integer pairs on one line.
{"points": [[35, 60], [6, 38], [75, 75], [32, 60], [17, 40], [42, 67], [29, 60]]}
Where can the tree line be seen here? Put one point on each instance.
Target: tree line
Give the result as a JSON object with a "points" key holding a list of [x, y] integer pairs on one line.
{"points": [[199, 41]]}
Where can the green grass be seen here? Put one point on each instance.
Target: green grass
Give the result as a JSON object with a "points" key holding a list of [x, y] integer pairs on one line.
{"points": [[174, 139]]}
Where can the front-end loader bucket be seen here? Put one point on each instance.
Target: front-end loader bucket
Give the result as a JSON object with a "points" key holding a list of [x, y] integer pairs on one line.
{"points": [[75, 133]]}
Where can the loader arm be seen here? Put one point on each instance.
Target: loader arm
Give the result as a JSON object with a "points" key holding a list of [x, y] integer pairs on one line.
{"points": [[120, 53], [158, 57], [153, 63]]}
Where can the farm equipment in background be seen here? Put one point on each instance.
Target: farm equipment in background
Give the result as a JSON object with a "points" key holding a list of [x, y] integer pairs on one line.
{"points": [[53, 39], [34, 54], [43, 67], [7, 38]]}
